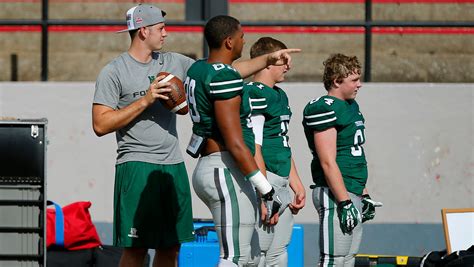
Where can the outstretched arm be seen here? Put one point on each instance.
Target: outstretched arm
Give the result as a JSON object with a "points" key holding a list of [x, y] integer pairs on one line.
{"points": [[248, 67]]}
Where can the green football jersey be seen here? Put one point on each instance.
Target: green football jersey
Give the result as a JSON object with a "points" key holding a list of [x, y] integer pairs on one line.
{"points": [[272, 103], [326, 112], [206, 83]]}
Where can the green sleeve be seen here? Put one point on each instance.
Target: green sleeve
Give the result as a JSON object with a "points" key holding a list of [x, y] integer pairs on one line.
{"points": [[258, 101], [320, 115], [225, 84]]}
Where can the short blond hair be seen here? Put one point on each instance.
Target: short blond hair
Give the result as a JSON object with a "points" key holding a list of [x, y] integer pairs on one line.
{"points": [[266, 45], [339, 66]]}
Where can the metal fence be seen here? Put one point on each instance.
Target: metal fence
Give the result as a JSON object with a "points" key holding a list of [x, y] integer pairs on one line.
{"points": [[198, 11]]}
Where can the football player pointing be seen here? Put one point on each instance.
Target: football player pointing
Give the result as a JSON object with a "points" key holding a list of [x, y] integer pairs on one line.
{"points": [[335, 132], [223, 139]]}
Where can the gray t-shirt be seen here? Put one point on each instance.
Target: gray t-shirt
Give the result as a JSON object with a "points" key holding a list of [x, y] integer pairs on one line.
{"points": [[152, 136]]}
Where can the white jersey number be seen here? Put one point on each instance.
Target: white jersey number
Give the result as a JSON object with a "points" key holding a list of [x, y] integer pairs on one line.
{"points": [[189, 86], [283, 134], [356, 150]]}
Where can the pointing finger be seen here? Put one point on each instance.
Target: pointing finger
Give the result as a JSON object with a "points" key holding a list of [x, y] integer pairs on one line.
{"points": [[291, 50]]}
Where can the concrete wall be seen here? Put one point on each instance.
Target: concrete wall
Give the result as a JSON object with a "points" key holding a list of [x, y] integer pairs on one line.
{"points": [[419, 147]]}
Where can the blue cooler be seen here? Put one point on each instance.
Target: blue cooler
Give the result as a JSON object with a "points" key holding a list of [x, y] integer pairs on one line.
{"points": [[204, 250], [296, 247]]}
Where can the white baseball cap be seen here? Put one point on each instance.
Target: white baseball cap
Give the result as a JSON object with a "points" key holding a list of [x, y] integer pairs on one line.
{"points": [[143, 15]]}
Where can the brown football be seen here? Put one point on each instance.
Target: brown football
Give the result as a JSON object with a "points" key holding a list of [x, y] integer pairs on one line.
{"points": [[177, 97]]}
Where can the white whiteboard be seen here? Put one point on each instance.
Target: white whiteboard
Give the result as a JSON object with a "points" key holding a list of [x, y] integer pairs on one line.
{"points": [[458, 228]]}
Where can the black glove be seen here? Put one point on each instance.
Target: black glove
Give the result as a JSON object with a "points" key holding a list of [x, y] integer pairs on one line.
{"points": [[368, 208], [273, 203]]}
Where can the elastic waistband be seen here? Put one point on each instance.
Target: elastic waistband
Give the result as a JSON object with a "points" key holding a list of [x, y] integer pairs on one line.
{"points": [[223, 158], [276, 179]]}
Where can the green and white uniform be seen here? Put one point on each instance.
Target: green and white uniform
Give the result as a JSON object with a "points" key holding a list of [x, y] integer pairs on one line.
{"points": [[205, 84], [217, 180], [272, 104], [336, 248], [326, 112]]}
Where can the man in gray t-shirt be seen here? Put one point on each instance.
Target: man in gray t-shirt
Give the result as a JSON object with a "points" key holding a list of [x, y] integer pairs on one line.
{"points": [[152, 199]]}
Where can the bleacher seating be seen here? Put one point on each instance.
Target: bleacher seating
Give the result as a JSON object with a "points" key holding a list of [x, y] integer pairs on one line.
{"points": [[398, 54]]}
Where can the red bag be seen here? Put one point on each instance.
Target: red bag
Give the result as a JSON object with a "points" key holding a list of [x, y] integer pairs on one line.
{"points": [[71, 226]]}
